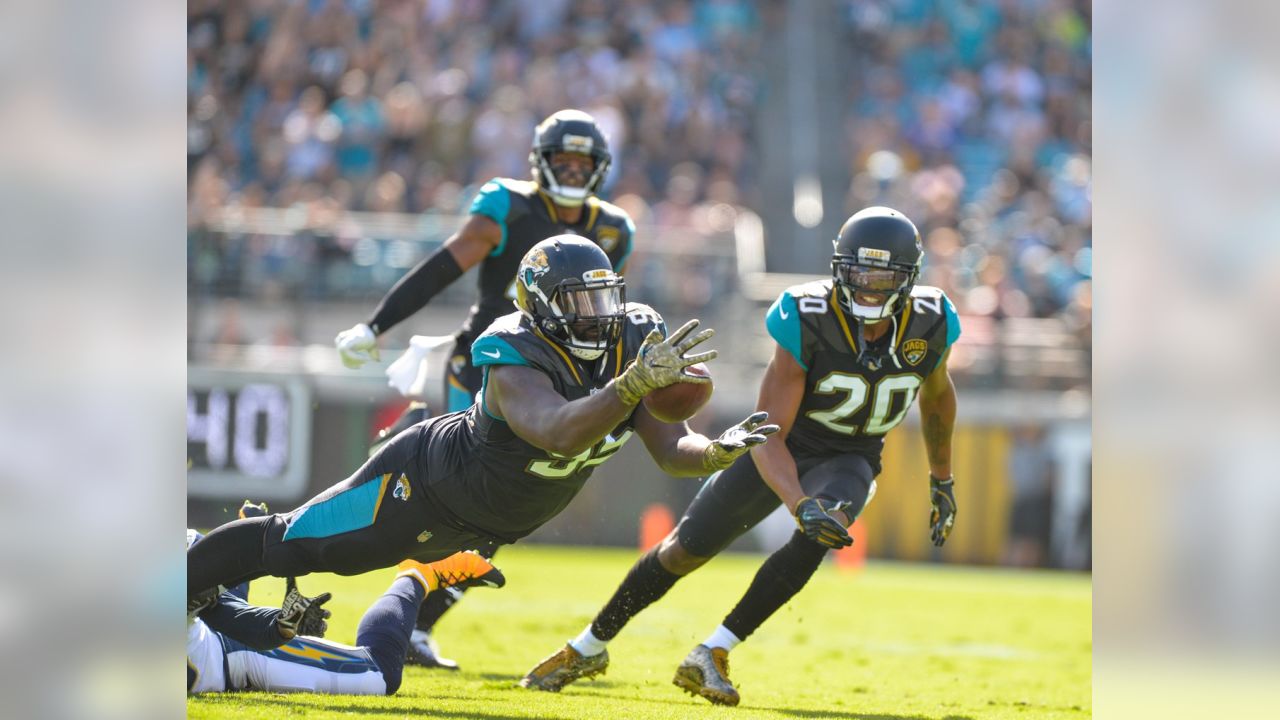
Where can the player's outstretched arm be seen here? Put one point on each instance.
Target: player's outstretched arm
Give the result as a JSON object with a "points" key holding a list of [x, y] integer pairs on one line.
{"points": [[938, 420], [681, 452], [540, 416], [462, 251]]}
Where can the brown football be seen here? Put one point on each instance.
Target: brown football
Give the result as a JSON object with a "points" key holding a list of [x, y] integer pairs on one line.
{"points": [[678, 402]]}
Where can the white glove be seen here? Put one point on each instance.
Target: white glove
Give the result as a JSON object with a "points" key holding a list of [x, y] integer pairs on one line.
{"points": [[409, 372], [357, 345]]}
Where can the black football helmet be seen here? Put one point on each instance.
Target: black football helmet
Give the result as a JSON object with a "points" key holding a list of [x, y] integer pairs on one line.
{"points": [[877, 257], [567, 287], [569, 131]]}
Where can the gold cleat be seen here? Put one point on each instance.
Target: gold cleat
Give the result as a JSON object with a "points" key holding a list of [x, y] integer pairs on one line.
{"points": [[463, 569], [563, 667], [705, 672]]}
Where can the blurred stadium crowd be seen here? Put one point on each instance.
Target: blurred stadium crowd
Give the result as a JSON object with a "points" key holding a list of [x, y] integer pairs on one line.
{"points": [[972, 116]]}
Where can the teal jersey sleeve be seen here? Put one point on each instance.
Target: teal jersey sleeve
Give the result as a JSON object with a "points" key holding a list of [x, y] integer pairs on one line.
{"points": [[494, 202], [783, 323], [493, 350], [953, 320], [626, 250]]}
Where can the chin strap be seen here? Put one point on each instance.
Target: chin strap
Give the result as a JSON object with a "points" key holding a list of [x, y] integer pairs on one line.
{"points": [[871, 359]]}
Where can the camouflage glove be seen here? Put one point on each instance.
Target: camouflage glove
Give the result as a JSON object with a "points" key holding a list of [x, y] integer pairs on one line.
{"points": [[736, 441], [301, 615], [812, 515], [943, 514], [662, 362]]}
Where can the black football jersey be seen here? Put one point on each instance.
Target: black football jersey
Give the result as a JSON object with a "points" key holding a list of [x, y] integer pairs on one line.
{"points": [[527, 216], [495, 481], [848, 406]]}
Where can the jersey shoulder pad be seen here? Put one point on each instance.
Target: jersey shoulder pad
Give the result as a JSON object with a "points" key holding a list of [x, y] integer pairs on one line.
{"points": [[613, 230], [928, 303], [641, 318], [783, 320], [505, 342], [503, 201], [493, 200], [813, 288]]}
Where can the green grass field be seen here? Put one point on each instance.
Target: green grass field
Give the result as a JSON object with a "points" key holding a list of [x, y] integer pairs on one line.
{"points": [[888, 642]]}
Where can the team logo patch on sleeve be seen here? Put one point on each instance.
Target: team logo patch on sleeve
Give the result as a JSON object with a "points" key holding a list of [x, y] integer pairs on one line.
{"points": [[403, 489], [608, 238], [913, 351]]}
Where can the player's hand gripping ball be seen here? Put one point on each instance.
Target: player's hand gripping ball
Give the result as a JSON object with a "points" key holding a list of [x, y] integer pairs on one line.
{"points": [[680, 401]]}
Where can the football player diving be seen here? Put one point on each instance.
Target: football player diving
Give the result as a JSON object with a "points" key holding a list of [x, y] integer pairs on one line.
{"points": [[284, 651], [852, 353], [570, 160], [563, 378]]}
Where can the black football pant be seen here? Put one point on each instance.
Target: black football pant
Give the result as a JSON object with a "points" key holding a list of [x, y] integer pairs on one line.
{"points": [[374, 519]]}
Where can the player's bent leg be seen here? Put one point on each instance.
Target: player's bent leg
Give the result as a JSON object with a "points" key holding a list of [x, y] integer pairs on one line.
{"points": [[778, 580], [423, 650], [305, 664], [705, 673], [676, 558], [384, 628], [227, 556], [462, 381]]}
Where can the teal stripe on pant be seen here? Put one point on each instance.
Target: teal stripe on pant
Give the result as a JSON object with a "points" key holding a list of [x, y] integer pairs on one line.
{"points": [[348, 510]]}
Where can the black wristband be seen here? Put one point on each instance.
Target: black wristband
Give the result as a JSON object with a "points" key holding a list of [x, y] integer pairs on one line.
{"points": [[415, 290]]}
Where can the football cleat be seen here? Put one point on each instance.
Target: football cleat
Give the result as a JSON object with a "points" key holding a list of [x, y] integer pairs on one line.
{"points": [[462, 569], [563, 667], [249, 510], [423, 651], [705, 672]]}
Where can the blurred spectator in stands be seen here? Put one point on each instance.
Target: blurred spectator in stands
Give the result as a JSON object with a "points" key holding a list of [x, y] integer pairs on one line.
{"points": [[361, 131]]}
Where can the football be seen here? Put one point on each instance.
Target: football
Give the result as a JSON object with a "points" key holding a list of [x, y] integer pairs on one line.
{"points": [[678, 402]]}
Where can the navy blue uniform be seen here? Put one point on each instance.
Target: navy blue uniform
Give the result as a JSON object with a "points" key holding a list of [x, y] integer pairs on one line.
{"points": [[527, 216], [847, 407]]}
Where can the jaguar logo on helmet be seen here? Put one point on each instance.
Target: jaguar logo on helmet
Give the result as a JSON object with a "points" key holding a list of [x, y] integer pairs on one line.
{"points": [[913, 351], [534, 266]]}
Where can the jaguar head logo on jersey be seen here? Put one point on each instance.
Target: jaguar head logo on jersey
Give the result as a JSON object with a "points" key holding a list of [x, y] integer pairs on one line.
{"points": [[571, 294], [403, 489], [569, 131], [876, 262], [913, 351], [608, 238]]}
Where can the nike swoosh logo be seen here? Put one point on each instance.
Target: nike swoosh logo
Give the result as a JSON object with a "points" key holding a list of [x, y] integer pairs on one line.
{"points": [[782, 312], [495, 354]]}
